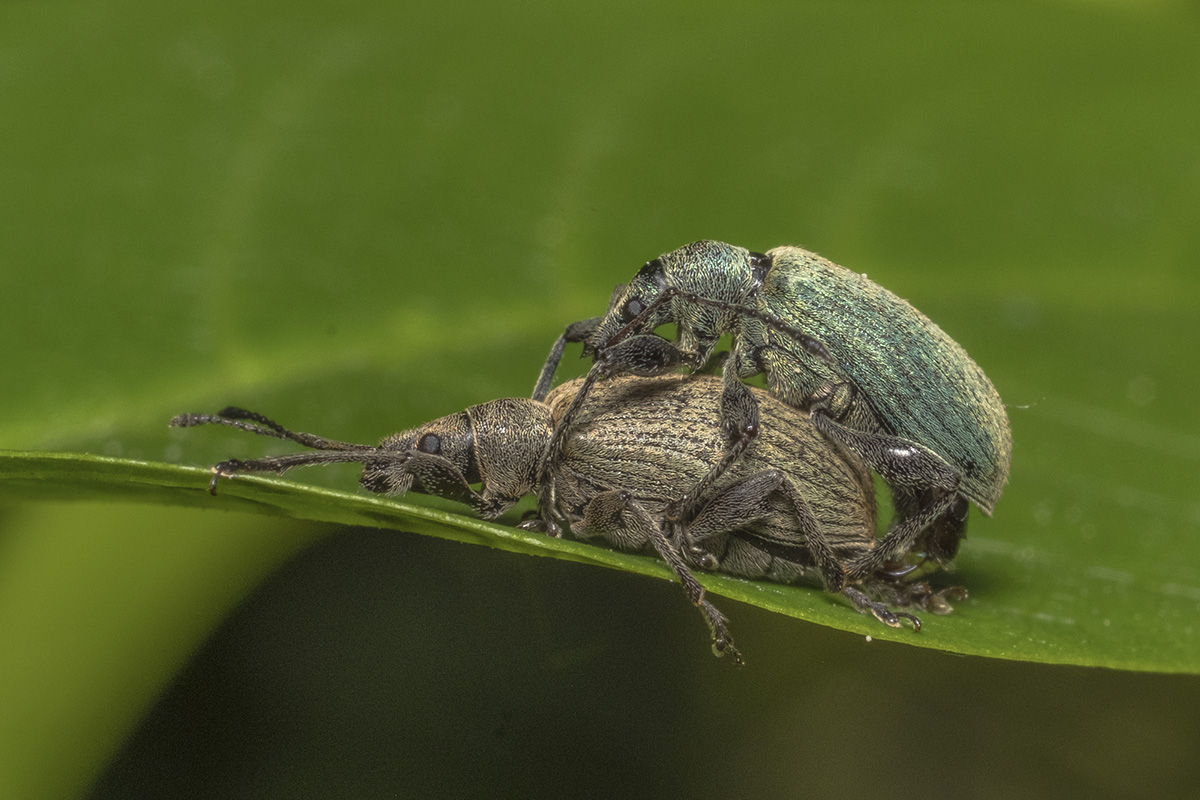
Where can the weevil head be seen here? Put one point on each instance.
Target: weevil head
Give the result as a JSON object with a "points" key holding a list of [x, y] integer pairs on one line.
{"points": [[637, 303], [498, 444], [698, 287], [450, 437]]}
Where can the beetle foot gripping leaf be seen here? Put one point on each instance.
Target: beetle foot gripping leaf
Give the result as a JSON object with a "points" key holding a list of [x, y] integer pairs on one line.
{"points": [[880, 611], [916, 593], [936, 602], [722, 642]]}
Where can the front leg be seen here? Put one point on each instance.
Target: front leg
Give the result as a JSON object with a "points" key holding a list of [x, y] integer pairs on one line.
{"points": [[739, 421], [643, 355], [646, 355], [549, 519], [581, 331], [439, 477]]}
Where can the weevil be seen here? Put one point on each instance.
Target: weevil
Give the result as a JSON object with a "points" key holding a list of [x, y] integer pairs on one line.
{"points": [[876, 375], [793, 509]]}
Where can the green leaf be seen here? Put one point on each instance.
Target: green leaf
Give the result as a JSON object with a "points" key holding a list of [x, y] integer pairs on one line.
{"points": [[1036, 605], [358, 217]]}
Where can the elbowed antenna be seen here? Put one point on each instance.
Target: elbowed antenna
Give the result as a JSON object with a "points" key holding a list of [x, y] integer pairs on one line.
{"points": [[235, 417], [332, 451]]}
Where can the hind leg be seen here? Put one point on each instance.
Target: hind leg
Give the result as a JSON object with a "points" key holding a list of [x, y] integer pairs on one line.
{"points": [[926, 488]]}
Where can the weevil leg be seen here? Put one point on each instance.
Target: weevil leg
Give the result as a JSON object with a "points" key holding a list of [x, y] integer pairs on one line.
{"points": [[618, 517], [941, 539], [812, 347], [903, 534], [733, 507], [747, 500], [581, 331], [439, 477], [643, 355], [551, 519], [939, 602], [927, 485], [945, 533], [739, 417], [878, 610], [916, 593]]}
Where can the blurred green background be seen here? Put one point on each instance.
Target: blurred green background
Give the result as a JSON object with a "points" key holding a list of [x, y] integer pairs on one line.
{"points": [[357, 216]]}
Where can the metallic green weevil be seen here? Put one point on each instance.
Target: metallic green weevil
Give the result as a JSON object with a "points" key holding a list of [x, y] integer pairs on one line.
{"points": [[876, 375]]}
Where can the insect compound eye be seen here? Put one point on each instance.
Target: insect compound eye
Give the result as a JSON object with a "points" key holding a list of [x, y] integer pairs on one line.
{"points": [[430, 443], [650, 279]]}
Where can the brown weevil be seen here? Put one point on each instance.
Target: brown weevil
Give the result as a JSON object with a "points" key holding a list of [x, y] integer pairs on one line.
{"points": [[876, 375], [794, 508]]}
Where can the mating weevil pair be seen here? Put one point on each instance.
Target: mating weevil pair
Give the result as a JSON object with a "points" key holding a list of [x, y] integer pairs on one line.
{"points": [[712, 474], [874, 373]]}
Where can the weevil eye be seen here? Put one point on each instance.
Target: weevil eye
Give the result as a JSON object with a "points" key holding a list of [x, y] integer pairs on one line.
{"points": [[633, 307], [430, 443]]}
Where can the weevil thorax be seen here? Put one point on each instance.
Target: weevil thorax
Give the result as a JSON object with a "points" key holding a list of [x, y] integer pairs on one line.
{"points": [[723, 273], [510, 435]]}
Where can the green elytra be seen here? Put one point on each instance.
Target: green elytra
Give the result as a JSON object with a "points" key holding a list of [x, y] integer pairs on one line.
{"points": [[877, 375]]}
